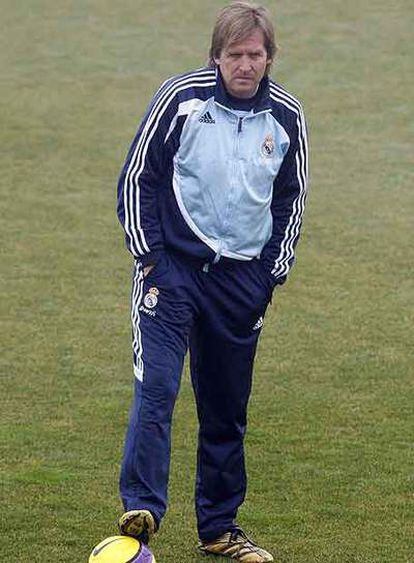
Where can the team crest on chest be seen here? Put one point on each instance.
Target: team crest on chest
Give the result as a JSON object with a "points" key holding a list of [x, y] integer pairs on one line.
{"points": [[268, 146], [151, 298]]}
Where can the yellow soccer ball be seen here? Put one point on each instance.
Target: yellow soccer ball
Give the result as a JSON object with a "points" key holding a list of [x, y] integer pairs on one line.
{"points": [[121, 549]]}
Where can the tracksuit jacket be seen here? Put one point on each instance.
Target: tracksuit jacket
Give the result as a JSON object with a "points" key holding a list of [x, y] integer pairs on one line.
{"points": [[205, 181]]}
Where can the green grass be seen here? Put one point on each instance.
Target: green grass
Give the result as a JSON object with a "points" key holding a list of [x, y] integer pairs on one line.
{"points": [[330, 445]]}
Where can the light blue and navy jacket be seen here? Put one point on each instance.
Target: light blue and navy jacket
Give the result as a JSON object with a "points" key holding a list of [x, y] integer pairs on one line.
{"points": [[209, 181]]}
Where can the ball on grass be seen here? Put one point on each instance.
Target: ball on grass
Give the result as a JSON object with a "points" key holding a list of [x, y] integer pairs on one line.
{"points": [[121, 549]]}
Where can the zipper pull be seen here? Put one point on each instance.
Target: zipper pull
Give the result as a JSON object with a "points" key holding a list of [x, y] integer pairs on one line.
{"points": [[239, 126]]}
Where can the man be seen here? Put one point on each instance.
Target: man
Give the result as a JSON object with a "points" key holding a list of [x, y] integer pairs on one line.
{"points": [[211, 198]]}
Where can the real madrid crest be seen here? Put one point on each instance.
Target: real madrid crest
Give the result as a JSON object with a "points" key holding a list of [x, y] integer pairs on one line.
{"points": [[151, 298], [268, 146]]}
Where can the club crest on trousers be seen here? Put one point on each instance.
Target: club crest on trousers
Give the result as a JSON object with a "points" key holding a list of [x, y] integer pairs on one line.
{"points": [[151, 298]]}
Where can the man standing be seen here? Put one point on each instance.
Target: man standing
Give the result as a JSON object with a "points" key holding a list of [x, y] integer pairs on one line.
{"points": [[211, 198]]}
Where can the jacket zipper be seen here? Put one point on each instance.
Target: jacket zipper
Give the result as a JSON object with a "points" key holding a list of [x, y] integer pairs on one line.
{"points": [[236, 150]]}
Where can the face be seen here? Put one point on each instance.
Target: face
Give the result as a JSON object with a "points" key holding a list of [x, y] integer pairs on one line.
{"points": [[243, 65]]}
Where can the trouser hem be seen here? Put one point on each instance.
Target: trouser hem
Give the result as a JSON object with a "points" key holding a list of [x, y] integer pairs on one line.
{"points": [[216, 533]]}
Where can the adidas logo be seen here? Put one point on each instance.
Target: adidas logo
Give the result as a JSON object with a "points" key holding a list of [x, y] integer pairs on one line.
{"points": [[206, 118], [259, 324]]}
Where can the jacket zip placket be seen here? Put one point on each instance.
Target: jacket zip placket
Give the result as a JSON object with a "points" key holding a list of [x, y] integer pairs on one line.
{"points": [[234, 178], [236, 151]]}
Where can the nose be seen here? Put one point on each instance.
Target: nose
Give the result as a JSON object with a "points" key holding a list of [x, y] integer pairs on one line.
{"points": [[245, 64]]}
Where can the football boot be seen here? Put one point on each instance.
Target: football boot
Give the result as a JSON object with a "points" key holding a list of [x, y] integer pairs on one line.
{"points": [[236, 545], [138, 524]]}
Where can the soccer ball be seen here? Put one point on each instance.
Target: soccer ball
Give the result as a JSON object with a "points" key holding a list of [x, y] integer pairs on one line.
{"points": [[121, 549]]}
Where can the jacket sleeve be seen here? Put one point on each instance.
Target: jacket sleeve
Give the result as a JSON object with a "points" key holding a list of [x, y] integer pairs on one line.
{"points": [[288, 203], [142, 176]]}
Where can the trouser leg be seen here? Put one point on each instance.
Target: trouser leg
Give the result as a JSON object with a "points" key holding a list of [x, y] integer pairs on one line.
{"points": [[223, 345], [161, 317]]}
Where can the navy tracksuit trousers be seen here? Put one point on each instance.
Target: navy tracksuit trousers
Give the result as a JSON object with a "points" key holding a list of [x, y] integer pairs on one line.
{"points": [[219, 313]]}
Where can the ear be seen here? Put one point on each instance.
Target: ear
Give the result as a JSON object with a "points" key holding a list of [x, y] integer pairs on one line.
{"points": [[216, 60]]}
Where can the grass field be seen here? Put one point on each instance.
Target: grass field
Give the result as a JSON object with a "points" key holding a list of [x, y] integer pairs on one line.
{"points": [[330, 447]]}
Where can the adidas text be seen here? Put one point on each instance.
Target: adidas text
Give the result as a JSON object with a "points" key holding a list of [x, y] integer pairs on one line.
{"points": [[147, 311]]}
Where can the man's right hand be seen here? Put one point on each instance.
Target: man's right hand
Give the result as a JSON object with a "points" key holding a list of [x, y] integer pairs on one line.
{"points": [[147, 269]]}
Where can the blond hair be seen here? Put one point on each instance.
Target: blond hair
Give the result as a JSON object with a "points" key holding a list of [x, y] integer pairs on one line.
{"points": [[235, 23]]}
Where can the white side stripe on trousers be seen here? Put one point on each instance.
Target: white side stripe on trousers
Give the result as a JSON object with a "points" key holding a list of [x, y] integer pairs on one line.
{"points": [[136, 297]]}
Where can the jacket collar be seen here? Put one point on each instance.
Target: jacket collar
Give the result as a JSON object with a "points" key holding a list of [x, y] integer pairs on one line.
{"points": [[262, 97]]}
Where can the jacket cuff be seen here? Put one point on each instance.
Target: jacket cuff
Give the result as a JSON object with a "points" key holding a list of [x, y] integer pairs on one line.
{"points": [[274, 281]]}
